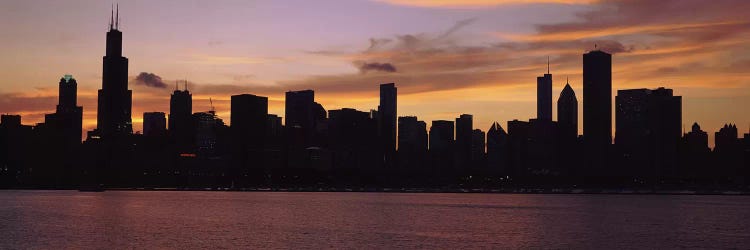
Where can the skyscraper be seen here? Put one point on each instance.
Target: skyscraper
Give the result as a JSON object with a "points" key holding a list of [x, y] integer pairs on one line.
{"points": [[69, 116], [180, 110], [544, 96], [497, 149], [567, 113], [597, 109], [441, 144], [248, 126], [648, 130], [114, 108], [154, 124], [412, 142], [387, 122], [299, 115], [181, 124], [464, 127]]}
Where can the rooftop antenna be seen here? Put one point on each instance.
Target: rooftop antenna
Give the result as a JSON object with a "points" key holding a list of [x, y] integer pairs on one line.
{"points": [[117, 18], [112, 18], [186, 84], [548, 65], [567, 80], [211, 101]]}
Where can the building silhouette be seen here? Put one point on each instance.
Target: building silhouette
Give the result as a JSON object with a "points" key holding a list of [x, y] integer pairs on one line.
{"points": [[248, 124], [412, 143], [497, 150], [300, 118], [597, 110], [648, 131], [387, 113], [567, 113], [544, 96], [351, 133], [181, 129], [462, 148], [115, 99], [441, 143], [154, 124], [568, 150], [478, 154]]}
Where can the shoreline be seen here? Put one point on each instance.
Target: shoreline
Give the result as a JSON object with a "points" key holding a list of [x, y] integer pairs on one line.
{"points": [[585, 191]]}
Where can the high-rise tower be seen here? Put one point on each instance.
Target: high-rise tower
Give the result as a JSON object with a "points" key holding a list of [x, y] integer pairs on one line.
{"points": [[567, 113], [544, 96], [114, 109], [387, 122], [597, 110]]}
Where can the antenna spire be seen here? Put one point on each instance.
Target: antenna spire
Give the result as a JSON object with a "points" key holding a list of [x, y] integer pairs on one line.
{"points": [[117, 18], [186, 85], [111, 17], [548, 65]]}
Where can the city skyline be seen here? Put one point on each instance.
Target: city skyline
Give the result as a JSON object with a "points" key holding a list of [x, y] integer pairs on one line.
{"points": [[510, 97]]}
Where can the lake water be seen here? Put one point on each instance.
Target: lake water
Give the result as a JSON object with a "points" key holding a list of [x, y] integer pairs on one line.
{"points": [[151, 219]]}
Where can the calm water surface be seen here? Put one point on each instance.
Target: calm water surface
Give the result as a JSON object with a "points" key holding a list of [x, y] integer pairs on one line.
{"points": [[71, 219]]}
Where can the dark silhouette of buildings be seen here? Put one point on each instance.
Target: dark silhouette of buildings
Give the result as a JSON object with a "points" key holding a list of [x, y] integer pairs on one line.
{"points": [[248, 124], [351, 133], [464, 128], [597, 110], [387, 114], [154, 124], [181, 128], [115, 99], [568, 148], [348, 149], [544, 96], [300, 117], [567, 113], [441, 145], [648, 124], [478, 146], [497, 150], [412, 143]]}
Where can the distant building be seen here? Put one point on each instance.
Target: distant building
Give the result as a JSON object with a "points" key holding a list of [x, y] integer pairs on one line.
{"points": [[181, 124], [387, 113], [412, 142], [497, 149], [464, 128], [478, 149], [300, 117], [248, 126], [567, 113], [697, 139], [441, 145], [544, 97], [648, 131], [518, 143], [351, 133], [115, 100], [67, 121], [154, 124], [597, 111], [726, 139]]}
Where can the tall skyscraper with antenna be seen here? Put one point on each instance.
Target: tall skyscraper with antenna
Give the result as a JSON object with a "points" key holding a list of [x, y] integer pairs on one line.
{"points": [[115, 99], [544, 96]]}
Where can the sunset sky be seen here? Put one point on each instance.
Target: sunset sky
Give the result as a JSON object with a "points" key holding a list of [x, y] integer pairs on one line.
{"points": [[446, 57]]}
